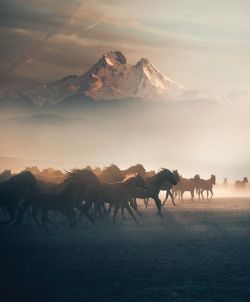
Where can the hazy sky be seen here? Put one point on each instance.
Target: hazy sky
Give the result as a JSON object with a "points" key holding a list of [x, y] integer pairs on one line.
{"points": [[202, 44]]}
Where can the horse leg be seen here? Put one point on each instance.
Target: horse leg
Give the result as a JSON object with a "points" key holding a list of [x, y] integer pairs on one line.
{"points": [[192, 195], [12, 213], [172, 198], [147, 200], [158, 205], [212, 194], [207, 195], [73, 213], [85, 210], [34, 215], [135, 208], [122, 213], [202, 193], [182, 192], [166, 198], [126, 205], [115, 212]]}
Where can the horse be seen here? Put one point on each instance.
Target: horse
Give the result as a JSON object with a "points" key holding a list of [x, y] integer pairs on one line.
{"points": [[69, 197], [186, 185], [166, 186], [154, 184], [206, 185], [133, 170], [15, 191], [5, 175], [225, 183], [93, 190], [241, 184], [111, 174], [118, 194]]}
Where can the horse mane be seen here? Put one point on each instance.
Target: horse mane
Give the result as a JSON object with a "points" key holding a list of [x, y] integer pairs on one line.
{"points": [[82, 175], [111, 174]]}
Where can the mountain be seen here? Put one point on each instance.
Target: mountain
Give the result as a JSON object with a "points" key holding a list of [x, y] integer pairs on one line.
{"points": [[111, 78]]}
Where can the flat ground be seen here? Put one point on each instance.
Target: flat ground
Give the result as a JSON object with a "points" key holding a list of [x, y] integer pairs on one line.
{"points": [[197, 252]]}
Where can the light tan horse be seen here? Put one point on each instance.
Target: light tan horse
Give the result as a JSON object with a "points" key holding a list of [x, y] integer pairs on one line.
{"points": [[186, 185], [241, 184], [205, 185]]}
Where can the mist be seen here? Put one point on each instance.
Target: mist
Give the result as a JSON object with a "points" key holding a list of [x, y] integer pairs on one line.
{"points": [[192, 136]]}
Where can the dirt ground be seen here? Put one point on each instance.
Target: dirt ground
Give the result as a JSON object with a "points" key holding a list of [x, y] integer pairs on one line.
{"points": [[199, 251]]}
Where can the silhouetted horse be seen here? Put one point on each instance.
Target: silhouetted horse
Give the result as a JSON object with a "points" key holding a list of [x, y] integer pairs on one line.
{"points": [[154, 184], [15, 191], [118, 194], [205, 185], [167, 186], [93, 189], [241, 184], [5, 175], [225, 183], [65, 201]]}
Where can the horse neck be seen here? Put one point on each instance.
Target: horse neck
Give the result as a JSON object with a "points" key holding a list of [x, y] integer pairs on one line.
{"points": [[130, 183], [157, 179]]}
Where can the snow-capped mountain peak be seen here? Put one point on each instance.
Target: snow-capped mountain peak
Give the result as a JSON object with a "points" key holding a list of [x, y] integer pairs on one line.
{"points": [[111, 78]]}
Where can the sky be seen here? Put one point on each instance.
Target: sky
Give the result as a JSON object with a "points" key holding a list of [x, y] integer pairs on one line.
{"points": [[201, 44]]}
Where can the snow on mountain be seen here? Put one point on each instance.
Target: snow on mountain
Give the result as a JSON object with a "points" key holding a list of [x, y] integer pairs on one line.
{"points": [[111, 78]]}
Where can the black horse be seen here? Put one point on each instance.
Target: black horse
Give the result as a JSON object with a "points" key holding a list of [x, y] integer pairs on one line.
{"points": [[167, 186], [154, 184], [68, 198], [15, 192], [93, 190]]}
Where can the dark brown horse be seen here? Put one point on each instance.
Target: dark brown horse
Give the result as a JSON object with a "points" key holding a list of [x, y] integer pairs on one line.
{"points": [[69, 197], [15, 191], [154, 184], [167, 186], [118, 194], [93, 189]]}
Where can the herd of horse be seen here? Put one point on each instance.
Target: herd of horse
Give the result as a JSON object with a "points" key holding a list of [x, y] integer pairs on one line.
{"points": [[94, 193]]}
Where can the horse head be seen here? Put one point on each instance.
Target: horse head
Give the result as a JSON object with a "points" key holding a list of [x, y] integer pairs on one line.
{"points": [[213, 178], [245, 180], [167, 175], [176, 175], [197, 177]]}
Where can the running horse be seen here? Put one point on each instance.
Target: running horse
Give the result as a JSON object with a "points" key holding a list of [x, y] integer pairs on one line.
{"points": [[241, 184], [119, 194], [15, 192], [154, 184], [186, 185], [206, 185], [69, 197], [167, 186]]}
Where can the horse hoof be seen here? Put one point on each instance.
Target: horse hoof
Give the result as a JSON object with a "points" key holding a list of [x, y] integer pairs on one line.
{"points": [[159, 214]]}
